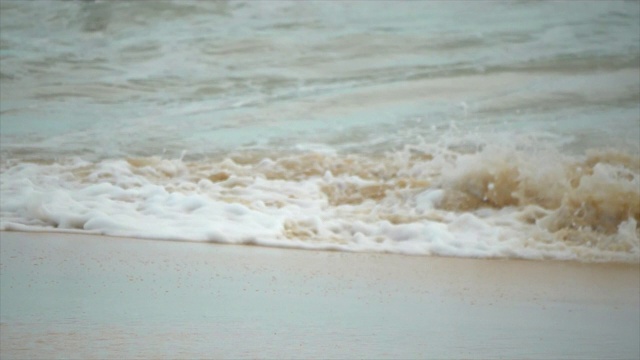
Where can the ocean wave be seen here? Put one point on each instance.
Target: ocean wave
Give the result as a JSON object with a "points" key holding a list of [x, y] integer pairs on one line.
{"points": [[490, 200]]}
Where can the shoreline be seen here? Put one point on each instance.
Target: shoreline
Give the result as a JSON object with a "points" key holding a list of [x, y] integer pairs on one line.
{"points": [[284, 246], [92, 296]]}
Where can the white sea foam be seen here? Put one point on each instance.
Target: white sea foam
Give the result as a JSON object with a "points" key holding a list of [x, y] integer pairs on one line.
{"points": [[499, 200]]}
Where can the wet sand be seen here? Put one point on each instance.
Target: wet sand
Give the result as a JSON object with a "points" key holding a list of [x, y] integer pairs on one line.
{"points": [[79, 296]]}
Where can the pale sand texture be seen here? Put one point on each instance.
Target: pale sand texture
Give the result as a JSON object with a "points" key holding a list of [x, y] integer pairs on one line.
{"points": [[79, 296]]}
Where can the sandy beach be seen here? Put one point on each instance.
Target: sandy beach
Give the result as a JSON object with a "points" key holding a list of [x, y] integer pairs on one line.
{"points": [[79, 296]]}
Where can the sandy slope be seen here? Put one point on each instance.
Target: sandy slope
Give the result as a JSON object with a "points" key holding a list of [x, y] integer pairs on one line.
{"points": [[79, 296]]}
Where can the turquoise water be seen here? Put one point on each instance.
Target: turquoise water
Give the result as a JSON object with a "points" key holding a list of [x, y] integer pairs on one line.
{"points": [[464, 128]]}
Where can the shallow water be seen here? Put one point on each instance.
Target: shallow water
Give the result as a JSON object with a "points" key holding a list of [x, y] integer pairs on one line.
{"points": [[483, 129]]}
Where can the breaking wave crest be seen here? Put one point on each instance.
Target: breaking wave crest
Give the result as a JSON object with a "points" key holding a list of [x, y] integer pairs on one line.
{"points": [[496, 200]]}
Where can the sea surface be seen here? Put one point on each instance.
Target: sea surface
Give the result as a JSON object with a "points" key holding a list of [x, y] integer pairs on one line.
{"points": [[492, 129]]}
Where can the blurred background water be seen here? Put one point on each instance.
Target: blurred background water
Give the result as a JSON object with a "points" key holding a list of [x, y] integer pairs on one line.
{"points": [[135, 77]]}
